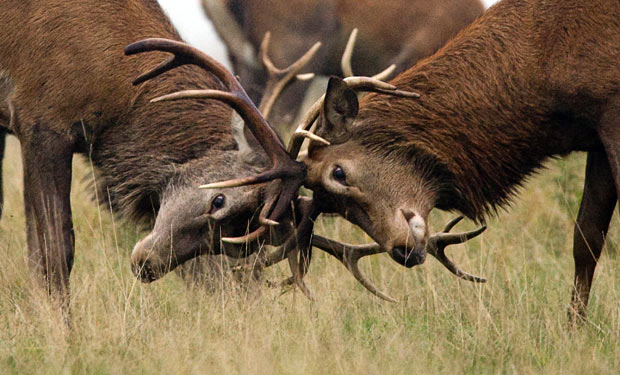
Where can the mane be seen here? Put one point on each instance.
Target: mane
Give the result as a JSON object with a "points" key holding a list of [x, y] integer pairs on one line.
{"points": [[478, 129]]}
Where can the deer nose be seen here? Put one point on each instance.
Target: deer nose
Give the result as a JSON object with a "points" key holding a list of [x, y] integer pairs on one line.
{"points": [[144, 271], [142, 264], [413, 252], [407, 257]]}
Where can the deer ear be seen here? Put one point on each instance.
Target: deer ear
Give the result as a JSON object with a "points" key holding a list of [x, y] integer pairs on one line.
{"points": [[339, 111], [250, 151]]}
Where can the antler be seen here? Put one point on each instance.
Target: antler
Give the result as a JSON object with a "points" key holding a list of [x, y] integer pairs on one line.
{"points": [[349, 255], [280, 78], [299, 245], [437, 247], [291, 172], [361, 84]]}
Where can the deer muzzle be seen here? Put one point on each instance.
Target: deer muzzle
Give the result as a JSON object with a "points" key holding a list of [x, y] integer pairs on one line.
{"points": [[146, 264], [413, 252]]}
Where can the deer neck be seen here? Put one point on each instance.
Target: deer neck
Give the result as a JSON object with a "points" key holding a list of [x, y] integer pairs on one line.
{"points": [[486, 117], [137, 155]]}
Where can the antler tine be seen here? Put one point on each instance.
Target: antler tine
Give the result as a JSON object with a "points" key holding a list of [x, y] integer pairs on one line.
{"points": [[165, 66], [382, 76], [280, 78], [262, 219], [437, 247], [299, 268], [349, 255], [184, 54], [345, 62], [299, 245], [370, 84], [361, 84]]}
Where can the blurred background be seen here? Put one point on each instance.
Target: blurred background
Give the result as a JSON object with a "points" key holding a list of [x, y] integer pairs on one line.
{"points": [[196, 29]]}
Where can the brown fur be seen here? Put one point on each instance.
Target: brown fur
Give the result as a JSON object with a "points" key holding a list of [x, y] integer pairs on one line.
{"points": [[503, 117], [526, 82], [66, 87], [390, 32], [88, 95]]}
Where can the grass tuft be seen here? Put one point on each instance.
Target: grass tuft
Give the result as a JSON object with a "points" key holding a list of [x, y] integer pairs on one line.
{"points": [[514, 324]]}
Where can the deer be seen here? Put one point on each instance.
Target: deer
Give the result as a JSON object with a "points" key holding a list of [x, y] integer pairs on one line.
{"points": [[66, 88], [424, 26], [283, 200], [526, 82]]}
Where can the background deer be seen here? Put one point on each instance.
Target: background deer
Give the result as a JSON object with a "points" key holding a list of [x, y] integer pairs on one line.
{"points": [[423, 26], [66, 87], [526, 82]]}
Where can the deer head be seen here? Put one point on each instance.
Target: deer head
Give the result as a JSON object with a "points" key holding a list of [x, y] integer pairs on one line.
{"points": [[193, 221], [373, 191]]}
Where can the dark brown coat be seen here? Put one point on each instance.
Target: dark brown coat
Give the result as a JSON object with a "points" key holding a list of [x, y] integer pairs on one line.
{"points": [[528, 81], [66, 87]]}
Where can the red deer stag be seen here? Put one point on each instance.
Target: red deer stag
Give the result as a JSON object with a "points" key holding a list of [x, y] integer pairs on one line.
{"points": [[423, 27], [526, 82], [65, 88]]}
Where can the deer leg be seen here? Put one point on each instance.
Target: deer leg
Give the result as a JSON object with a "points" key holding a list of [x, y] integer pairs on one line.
{"points": [[47, 161], [597, 205]]}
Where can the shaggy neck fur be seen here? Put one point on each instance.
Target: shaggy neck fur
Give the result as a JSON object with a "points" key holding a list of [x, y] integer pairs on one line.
{"points": [[137, 150], [141, 152], [486, 120]]}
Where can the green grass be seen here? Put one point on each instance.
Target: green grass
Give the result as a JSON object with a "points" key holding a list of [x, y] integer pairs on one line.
{"points": [[514, 324]]}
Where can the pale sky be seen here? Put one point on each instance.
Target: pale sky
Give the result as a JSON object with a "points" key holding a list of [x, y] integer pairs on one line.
{"points": [[488, 3], [194, 27], [189, 19]]}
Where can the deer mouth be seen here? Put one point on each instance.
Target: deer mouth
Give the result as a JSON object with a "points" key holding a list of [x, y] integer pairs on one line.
{"points": [[149, 270], [146, 273], [408, 257]]}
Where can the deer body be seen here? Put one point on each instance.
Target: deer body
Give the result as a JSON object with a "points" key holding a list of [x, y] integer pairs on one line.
{"points": [[66, 87], [528, 81]]}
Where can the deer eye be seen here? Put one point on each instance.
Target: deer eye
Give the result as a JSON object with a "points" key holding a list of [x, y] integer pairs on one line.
{"points": [[339, 175], [217, 203]]}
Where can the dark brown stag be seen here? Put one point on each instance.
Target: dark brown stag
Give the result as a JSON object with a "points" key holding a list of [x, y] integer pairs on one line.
{"points": [[66, 87], [526, 82], [423, 27]]}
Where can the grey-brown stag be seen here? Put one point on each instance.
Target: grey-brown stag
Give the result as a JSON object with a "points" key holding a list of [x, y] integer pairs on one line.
{"points": [[66, 88]]}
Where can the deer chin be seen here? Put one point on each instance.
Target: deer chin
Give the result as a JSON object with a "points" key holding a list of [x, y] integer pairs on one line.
{"points": [[408, 257]]}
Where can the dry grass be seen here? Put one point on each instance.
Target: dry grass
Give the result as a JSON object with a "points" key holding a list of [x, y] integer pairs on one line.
{"points": [[516, 323]]}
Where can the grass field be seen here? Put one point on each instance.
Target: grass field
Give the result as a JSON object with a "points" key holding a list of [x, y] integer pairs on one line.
{"points": [[515, 324]]}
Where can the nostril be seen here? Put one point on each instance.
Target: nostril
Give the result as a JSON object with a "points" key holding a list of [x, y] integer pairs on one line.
{"points": [[408, 214]]}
